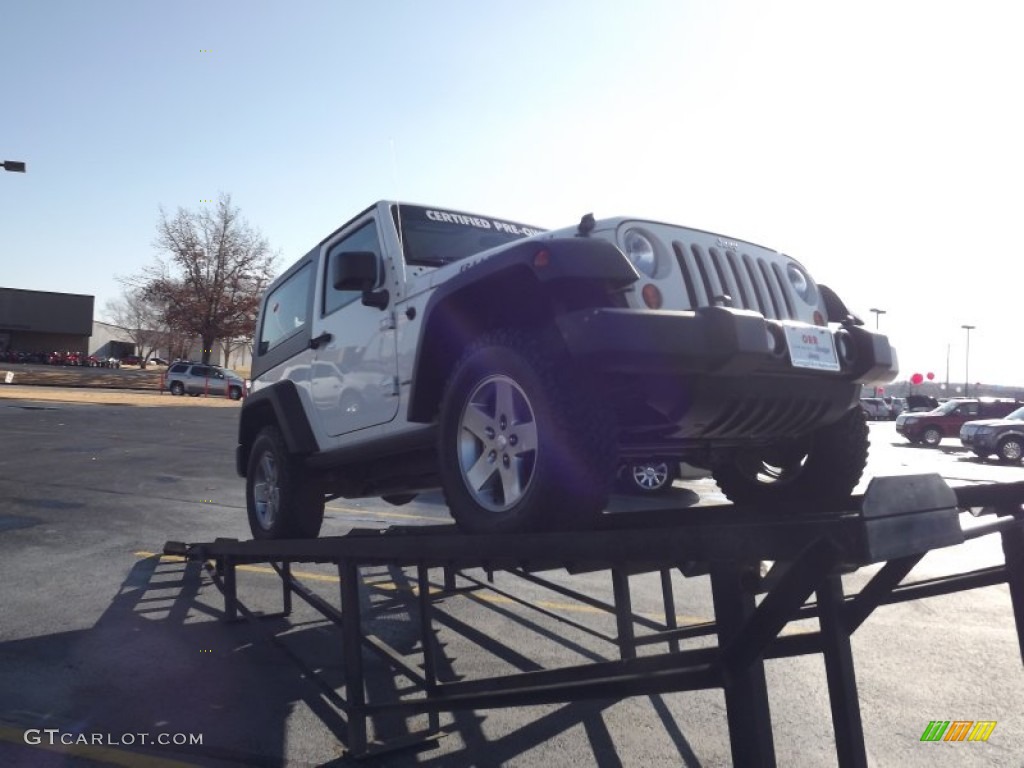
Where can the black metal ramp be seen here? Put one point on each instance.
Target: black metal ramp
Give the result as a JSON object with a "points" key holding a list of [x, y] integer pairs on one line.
{"points": [[896, 522]]}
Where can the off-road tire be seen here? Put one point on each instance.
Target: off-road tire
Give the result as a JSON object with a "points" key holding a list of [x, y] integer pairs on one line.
{"points": [[1011, 449], [282, 500], [931, 437], [835, 457], [559, 442]]}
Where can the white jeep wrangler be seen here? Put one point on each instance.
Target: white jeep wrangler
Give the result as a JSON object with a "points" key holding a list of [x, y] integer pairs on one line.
{"points": [[516, 369]]}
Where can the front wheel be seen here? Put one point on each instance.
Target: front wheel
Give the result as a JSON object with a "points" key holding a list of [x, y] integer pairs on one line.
{"points": [[523, 444], [648, 477], [817, 473], [932, 437], [282, 500], [1011, 449]]}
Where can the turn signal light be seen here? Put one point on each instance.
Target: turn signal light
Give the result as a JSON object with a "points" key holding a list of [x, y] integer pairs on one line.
{"points": [[652, 296], [541, 259]]}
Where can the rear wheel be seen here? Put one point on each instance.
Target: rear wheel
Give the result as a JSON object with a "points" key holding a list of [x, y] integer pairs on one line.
{"points": [[1011, 449], [282, 499], [815, 474], [523, 444], [177, 388]]}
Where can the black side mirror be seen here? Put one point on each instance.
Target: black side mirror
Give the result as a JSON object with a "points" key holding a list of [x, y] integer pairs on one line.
{"points": [[360, 271]]}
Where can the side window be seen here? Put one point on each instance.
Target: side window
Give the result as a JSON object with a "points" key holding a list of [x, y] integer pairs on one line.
{"points": [[284, 313], [178, 368], [363, 239], [201, 371], [968, 409]]}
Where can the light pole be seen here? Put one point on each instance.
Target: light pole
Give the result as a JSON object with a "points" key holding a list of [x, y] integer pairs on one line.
{"points": [[14, 166], [967, 360], [877, 312]]}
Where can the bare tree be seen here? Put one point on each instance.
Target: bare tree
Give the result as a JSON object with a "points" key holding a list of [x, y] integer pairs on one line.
{"points": [[141, 318], [216, 269]]}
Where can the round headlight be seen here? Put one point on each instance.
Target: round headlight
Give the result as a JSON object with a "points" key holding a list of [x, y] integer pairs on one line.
{"points": [[640, 252], [801, 283]]}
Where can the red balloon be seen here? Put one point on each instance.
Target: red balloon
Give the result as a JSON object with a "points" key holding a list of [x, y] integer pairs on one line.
{"points": [[881, 390], [917, 378], [930, 375]]}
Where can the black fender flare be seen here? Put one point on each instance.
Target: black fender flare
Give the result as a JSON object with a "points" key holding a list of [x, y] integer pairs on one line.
{"points": [[534, 272], [279, 405]]}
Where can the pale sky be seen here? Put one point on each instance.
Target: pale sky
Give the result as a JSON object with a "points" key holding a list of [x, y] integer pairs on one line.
{"points": [[880, 143]]}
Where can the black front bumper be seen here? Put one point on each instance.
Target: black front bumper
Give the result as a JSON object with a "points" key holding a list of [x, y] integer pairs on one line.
{"points": [[714, 341], [683, 382]]}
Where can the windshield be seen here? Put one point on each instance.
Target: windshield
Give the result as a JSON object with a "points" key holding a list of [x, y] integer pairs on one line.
{"points": [[947, 407], [431, 236], [1017, 415]]}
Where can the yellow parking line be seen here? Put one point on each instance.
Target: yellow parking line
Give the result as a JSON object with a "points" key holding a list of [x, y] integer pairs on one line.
{"points": [[249, 568], [390, 586], [108, 755]]}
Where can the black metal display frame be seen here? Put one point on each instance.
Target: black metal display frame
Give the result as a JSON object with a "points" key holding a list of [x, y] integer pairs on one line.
{"points": [[895, 523]]}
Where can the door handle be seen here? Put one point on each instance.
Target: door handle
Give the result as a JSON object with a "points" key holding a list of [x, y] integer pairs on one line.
{"points": [[323, 338]]}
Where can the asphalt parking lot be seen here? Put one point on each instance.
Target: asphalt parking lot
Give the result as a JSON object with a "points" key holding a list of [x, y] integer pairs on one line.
{"points": [[100, 637]]}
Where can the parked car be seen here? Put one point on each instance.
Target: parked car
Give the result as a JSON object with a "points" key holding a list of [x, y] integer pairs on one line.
{"points": [[197, 379], [1001, 437], [946, 420], [131, 360], [875, 408]]}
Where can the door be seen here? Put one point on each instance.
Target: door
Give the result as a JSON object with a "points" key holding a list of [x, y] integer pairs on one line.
{"points": [[355, 373], [205, 380]]}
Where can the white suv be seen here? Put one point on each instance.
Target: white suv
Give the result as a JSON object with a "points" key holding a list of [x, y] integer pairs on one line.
{"points": [[200, 379], [416, 348]]}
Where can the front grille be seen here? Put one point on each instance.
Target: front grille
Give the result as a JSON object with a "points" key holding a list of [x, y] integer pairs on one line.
{"points": [[752, 282], [754, 418]]}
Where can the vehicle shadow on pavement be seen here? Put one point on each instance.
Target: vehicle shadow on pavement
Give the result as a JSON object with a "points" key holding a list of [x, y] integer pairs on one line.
{"points": [[160, 660], [467, 643], [151, 665]]}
